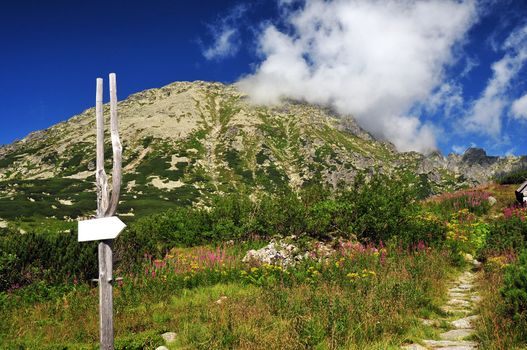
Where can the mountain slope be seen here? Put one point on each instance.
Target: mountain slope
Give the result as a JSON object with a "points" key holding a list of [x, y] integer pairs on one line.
{"points": [[188, 141]]}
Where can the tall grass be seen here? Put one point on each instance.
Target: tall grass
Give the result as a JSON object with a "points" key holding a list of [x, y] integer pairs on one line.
{"points": [[362, 297], [496, 329], [474, 200]]}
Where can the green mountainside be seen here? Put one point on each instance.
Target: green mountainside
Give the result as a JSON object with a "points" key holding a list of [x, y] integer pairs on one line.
{"points": [[189, 141]]}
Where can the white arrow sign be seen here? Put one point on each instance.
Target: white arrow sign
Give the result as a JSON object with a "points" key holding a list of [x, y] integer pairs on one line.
{"points": [[100, 229]]}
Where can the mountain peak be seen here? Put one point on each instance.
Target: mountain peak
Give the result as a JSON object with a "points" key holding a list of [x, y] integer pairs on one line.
{"points": [[188, 141]]}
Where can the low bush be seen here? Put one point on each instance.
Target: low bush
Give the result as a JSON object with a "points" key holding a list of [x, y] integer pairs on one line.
{"points": [[514, 289], [379, 209], [514, 177], [496, 329], [507, 233], [52, 258]]}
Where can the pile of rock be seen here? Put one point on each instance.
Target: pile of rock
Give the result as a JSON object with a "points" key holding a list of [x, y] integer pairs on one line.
{"points": [[275, 253], [284, 253]]}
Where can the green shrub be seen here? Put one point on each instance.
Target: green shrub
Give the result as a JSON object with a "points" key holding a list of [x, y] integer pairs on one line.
{"points": [[157, 233], [513, 177], [514, 289], [506, 234], [329, 218], [9, 273], [53, 258], [425, 227], [278, 215], [382, 208], [379, 209]]}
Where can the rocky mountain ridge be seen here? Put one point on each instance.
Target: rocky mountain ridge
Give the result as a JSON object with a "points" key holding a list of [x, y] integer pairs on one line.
{"points": [[188, 141]]}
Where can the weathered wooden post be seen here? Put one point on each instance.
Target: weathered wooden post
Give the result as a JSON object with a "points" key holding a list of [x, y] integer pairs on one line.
{"points": [[105, 227]]}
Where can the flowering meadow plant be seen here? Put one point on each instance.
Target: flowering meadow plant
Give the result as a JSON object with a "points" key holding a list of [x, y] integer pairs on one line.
{"points": [[475, 201], [515, 211], [509, 231], [349, 263], [466, 233], [186, 267]]}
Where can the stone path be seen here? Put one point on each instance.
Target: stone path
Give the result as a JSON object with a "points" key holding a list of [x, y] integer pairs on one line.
{"points": [[461, 307]]}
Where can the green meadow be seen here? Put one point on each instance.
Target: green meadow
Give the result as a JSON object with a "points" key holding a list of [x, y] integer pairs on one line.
{"points": [[376, 261]]}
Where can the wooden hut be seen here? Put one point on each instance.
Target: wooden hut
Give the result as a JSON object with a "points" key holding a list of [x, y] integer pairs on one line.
{"points": [[521, 193]]}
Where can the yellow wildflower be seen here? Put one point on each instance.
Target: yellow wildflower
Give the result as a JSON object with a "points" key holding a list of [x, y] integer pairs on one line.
{"points": [[352, 275]]}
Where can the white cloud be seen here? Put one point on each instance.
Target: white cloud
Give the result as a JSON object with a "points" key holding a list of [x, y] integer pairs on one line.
{"points": [[519, 107], [447, 98], [373, 59], [486, 112], [470, 64], [225, 45], [225, 34]]}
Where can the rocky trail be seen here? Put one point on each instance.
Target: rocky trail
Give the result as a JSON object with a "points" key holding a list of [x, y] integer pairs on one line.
{"points": [[461, 311]]}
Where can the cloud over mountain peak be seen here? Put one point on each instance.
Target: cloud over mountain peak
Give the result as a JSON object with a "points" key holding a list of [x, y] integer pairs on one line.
{"points": [[375, 60]]}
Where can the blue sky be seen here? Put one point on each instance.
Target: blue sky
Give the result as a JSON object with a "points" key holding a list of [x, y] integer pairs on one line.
{"points": [[423, 74]]}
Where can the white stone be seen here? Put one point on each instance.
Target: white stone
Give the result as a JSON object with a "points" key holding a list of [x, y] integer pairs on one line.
{"points": [[432, 323], [275, 253], [81, 175], [492, 200], [413, 347], [458, 302], [169, 337], [464, 322], [459, 295], [221, 300], [465, 286], [475, 298], [452, 345], [457, 334]]}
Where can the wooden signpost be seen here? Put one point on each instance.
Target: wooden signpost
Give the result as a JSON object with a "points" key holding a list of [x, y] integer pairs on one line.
{"points": [[105, 227]]}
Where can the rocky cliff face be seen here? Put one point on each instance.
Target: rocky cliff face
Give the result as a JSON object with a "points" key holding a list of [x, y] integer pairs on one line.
{"points": [[474, 166], [187, 141]]}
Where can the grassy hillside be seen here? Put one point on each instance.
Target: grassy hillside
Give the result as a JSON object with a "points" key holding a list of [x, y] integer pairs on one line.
{"points": [[367, 283], [186, 143]]}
